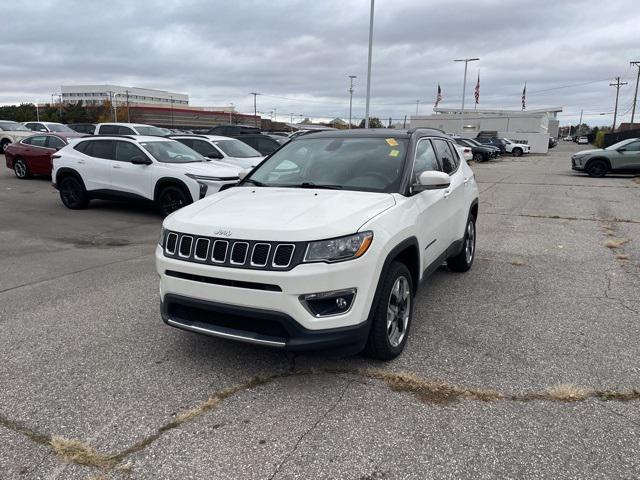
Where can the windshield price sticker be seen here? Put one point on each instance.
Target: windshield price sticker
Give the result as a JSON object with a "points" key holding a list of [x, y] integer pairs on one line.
{"points": [[392, 142]]}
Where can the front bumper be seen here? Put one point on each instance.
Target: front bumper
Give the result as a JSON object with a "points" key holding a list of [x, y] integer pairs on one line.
{"points": [[576, 164], [257, 326]]}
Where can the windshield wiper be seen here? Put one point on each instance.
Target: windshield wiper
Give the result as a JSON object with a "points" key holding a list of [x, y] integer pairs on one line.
{"points": [[316, 185]]}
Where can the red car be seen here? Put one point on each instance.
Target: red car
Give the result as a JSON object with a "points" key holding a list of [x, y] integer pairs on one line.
{"points": [[32, 155]]}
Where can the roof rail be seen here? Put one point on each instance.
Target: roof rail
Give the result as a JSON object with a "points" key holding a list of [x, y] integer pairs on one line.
{"points": [[186, 135], [130, 137], [414, 129]]}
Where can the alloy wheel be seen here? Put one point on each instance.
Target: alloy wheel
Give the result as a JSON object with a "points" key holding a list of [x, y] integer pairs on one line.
{"points": [[398, 311], [20, 169], [470, 242]]}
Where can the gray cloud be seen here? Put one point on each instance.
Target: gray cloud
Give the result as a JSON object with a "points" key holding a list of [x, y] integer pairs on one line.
{"points": [[299, 53]]}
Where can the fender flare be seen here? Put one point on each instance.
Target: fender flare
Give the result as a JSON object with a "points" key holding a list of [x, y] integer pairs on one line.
{"points": [[164, 181]]}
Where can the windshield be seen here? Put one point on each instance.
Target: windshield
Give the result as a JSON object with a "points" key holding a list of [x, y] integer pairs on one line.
{"points": [[151, 131], [475, 142], [615, 146], [236, 148], [13, 127], [365, 164], [58, 127], [172, 152]]}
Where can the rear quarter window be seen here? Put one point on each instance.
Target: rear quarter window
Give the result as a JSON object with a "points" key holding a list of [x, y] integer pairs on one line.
{"points": [[82, 147]]}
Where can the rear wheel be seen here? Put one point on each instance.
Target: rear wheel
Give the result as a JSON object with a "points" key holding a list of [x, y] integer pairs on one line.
{"points": [[392, 315], [516, 152], [73, 193], [172, 198], [20, 168], [463, 261], [597, 168], [4, 144], [477, 157]]}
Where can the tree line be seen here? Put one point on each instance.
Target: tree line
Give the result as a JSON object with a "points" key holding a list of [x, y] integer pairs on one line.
{"points": [[67, 113]]}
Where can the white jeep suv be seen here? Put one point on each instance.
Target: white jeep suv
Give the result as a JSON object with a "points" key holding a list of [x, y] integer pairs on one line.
{"points": [[128, 129], [224, 149], [136, 167], [323, 245]]}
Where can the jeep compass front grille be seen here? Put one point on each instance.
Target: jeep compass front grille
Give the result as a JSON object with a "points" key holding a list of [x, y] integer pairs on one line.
{"points": [[251, 254]]}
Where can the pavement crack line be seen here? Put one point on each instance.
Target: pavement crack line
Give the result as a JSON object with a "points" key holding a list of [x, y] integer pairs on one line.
{"points": [[428, 391], [560, 217], [319, 420]]}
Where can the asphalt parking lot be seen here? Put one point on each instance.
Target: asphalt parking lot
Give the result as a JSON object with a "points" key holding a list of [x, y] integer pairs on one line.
{"points": [[93, 384]]}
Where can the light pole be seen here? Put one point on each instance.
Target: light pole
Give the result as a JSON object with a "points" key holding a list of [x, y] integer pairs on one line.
{"points": [[172, 124], [275, 114], [231, 115], [417, 104], [366, 113], [464, 87], [37, 110], [255, 108], [351, 78]]}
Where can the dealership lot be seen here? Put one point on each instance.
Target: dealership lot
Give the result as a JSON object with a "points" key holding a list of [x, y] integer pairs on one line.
{"points": [[86, 357]]}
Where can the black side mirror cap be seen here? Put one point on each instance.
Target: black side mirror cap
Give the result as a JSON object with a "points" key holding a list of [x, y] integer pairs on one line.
{"points": [[140, 160]]}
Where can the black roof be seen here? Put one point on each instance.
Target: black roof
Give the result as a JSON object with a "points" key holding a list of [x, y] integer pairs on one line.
{"points": [[376, 133]]}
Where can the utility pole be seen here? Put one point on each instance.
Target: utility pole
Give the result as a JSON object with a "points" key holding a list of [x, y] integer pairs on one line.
{"points": [[615, 112], [275, 114], [172, 124], [231, 114], [366, 114], [255, 108], [580, 122], [417, 104], [635, 95], [60, 105], [128, 116], [113, 109], [464, 88], [351, 77]]}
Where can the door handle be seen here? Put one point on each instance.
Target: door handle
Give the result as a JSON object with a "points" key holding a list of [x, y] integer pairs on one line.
{"points": [[466, 179], [117, 166], [82, 162], [447, 192]]}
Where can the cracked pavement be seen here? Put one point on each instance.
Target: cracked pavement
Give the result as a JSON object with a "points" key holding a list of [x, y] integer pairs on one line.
{"points": [[85, 355]]}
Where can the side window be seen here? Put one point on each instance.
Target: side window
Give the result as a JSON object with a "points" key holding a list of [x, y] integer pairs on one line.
{"points": [[445, 156], [250, 141], [108, 129], [125, 151], [125, 131], [455, 156], [102, 149], [54, 142], [267, 146], [425, 159], [633, 147], [30, 126], [203, 148], [186, 141], [40, 127], [38, 141], [82, 147]]}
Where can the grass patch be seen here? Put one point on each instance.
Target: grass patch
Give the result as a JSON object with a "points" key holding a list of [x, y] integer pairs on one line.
{"points": [[622, 256], [518, 262], [566, 392], [623, 396], [74, 451], [431, 391], [613, 244]]}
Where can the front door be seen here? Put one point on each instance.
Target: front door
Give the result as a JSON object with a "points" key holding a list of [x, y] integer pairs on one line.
{"points": [[128, 178], [629, 158], [38, 156], [454, 195]]}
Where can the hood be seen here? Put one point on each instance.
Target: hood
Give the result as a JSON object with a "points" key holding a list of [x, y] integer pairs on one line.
{"points": [[591, 150], [20, 133], [210, 169], [243, 162], [280, 214]]}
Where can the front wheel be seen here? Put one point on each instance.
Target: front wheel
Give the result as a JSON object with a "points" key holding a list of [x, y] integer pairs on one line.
{"points": [[597, 168], [392, 315], [477, 157], [20, 168], [516, 152], [462, 261], [4, 144], [172, 198]]}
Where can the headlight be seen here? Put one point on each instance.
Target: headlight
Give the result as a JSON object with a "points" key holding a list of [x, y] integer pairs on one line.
{"points": [[211, 179], [162, 236], [339, 249]]}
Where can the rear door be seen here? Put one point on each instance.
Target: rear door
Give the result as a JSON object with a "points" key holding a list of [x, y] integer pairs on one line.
{"points": [[629, 158], [94, 164], [38, 155], [431, 206], [454, 195], [128, 178]]}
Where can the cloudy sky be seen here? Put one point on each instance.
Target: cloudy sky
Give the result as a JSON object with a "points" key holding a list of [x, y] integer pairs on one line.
{"points": [[298, 53]]}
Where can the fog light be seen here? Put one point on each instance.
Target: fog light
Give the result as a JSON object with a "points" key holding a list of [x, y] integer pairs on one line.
{"points": [[325, 304]]}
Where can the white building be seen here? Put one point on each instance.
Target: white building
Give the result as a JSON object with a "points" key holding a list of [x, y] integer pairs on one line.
{"points": [[94, 94], [531, 126]]}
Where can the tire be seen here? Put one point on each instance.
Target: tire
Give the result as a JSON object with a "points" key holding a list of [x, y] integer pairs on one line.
{"points": [[4, 144], [73, 193], [172, 198], [463, 261], [597, 168], [516, 152], [478, 157], [387, 337], [21, 169]]}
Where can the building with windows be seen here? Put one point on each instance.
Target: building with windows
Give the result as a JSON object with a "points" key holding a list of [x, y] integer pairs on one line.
{"points": [[95, 94], [530, 126]]}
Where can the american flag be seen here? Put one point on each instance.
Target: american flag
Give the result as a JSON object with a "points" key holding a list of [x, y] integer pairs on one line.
{"points": [[478, 90], [438, 97], [524, 96]]}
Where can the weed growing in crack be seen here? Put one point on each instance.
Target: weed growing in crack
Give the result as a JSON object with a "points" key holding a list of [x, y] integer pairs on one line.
{"points": [[517, 262], [622, 256], [613, 244], [74, 451], [567, 393]]}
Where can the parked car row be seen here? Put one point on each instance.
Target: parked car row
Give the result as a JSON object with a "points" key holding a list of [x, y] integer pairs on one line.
{"points": [[621, 157]]}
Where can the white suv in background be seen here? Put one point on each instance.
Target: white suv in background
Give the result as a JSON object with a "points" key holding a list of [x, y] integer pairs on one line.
{"points": [[323, 244], [128, 129], [11, 132], [225, 149], [148, 168]]}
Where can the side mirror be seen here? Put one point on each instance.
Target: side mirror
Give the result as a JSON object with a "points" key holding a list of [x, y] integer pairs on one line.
{"points": [[622, 149], [431, 180], [140, 160], [42, 129], [243, 173], [214, 154]]}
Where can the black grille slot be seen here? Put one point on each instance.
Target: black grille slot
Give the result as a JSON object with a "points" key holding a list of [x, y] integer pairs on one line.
{"points": [[224, 281], [202, 248], [239, 253], [172, 240], [185, 246], [282, 257], [260, 254], [220, 250]]}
